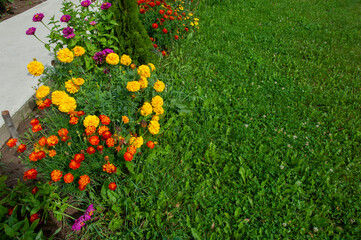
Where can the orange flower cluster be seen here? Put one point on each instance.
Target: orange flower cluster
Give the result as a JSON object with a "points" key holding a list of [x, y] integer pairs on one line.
{"points": [[12, 142], [63, 134], [104, 119], [112, 186], [68, 178], [43, 104], [30, 174], [109, 168], [83, 182], [56, 175], [36, 126]]}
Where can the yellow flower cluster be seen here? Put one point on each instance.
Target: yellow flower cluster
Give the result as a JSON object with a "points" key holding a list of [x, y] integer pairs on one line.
{"points": [[112, 59], [125, 119], [158, 111], [42, 92], [78, 81], [64, 101], [91, 120], [137, 142], [159, 86], [133, 86], [78, 51], [153, 127], [74, 84], [146, 109], [144, 71], [125, 60], [143, 82], [65, 55], [35, 68], [157, 102]]}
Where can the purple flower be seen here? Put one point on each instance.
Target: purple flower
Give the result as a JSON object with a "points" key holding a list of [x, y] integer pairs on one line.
{"points": [[38, 17], [31, 31], [107, 51], [93, 23], [65, 18], [68, 32], [105, 5], [98, 57], [90, 210], [79, 223], [85, 3], [106, 71], [70, 36]]}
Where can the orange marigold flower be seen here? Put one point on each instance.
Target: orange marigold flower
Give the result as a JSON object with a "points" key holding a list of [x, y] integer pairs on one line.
{"points": [[109, 168], [94, 140], [56, 175], [132, 150], [90, 150], [106, 135], [102, 129], [80, 113], [12, 142], [110, 142], [73, 120], [125, 119], [34, 190], [52, 153], [112, 186], [106, 158], [21, 148], [100, 148], [104, 119], [42, 141], [79, 157], [90, 130], [40, 155], [128, 156], [68, 178], [63, 132], [84, 180], [34, 217], [32, 157], [63, 139], [118, 148], [150, 144], [30, 174], [74, 164], [52, 140], [37, 128], [34, 122]]}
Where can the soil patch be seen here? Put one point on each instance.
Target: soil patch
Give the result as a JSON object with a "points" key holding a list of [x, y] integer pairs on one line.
{"points": [[17, 7]]}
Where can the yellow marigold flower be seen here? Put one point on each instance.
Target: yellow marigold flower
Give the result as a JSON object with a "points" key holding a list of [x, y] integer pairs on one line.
{"points": [[153, 127], [78, 51], [125, 119], [190, 14], [158, 111], [39, 102], [125, 60], [146, 109], [57, 96], [192, 24], [152, 67], [78, 81], [65, 55], [52, 153], [159, 86], [68, 104], [112, 59], [143, 82], [109, 168], [35, 68], [196, 19], [155, 118], [133, 86], [157, 102], [137, 142], [91, 120], [71, 87], [196, 23], [42, 92], [144, 71]]}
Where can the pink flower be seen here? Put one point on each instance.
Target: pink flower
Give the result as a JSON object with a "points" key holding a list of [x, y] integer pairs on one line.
{"points": [[85, 3], [38, 17], [65, 18], [93, 23], [31, 31], [106, 5]]}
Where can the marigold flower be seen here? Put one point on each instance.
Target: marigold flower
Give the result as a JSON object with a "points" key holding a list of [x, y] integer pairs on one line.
{"points": [[112, 186], [106, 135], [68, 178], [100, 148], [153, 127], [165, 30], [71, 87], [159, 86], [84, 180], [34, 190], [21, 148], [12, 142], [90, 150], [158, 111], [128, 156], [30, 174], [68, 104], [144, 71], [110, 142], [146, 109], [125, 119], [133, 86], [73, 120], [94, 140], [34, 122], [91, 120], [32, 157], [42, 141], [65, 55], [102, 129], [90, 130], [137, 142], [35, 68], [150, 144], [63, 132], [74, 164], [78, 51], [79, 157], [104, 119], [157, 102], [79, 82], [52, 140], [56, 175], [42, 92], [40, 155], [112, 59], [125, 60], [143, 82], [52, 153], [34, 217], [132, 150], [58, 96], [155, 25], [155, 118], [109, 168], [118, 148]]}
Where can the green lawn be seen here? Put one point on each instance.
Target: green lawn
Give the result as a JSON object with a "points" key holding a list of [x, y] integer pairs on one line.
{"points": [[268, 144]]}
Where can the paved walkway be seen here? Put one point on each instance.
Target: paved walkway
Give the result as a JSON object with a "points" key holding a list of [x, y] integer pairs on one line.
{"points": [[16, 51]]}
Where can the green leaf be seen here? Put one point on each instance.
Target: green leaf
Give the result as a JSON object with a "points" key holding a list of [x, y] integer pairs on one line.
{"points": [[237, 213], [56, 232], [115, 224], [130, 167], [243, 174], [9, 231], [195, 234], [112, 196]]}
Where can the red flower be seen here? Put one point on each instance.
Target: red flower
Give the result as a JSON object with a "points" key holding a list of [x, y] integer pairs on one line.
{"points": [[47, 102], [94, 140], [30, 174], [74, 164], [11, 209], [152, 4], [165, 30], [161, 12], [142, 10], [157, 3], [112, 186], [169, 12], [176, 37], [32, 157], [171, 18], [37, 128], [68, 178], [21, 148], [164, 53], [73, 120], [90, 150], [34, 190], [186, 29], [104, 119], [110, 142], [106, 135], [128, 156], [150, 144], [40, 155], [155, 26], [79, 157], [42, 141], [155, 45], [100, 148], [63, 132], [12, 142], [34, 122], [34, 217]]}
